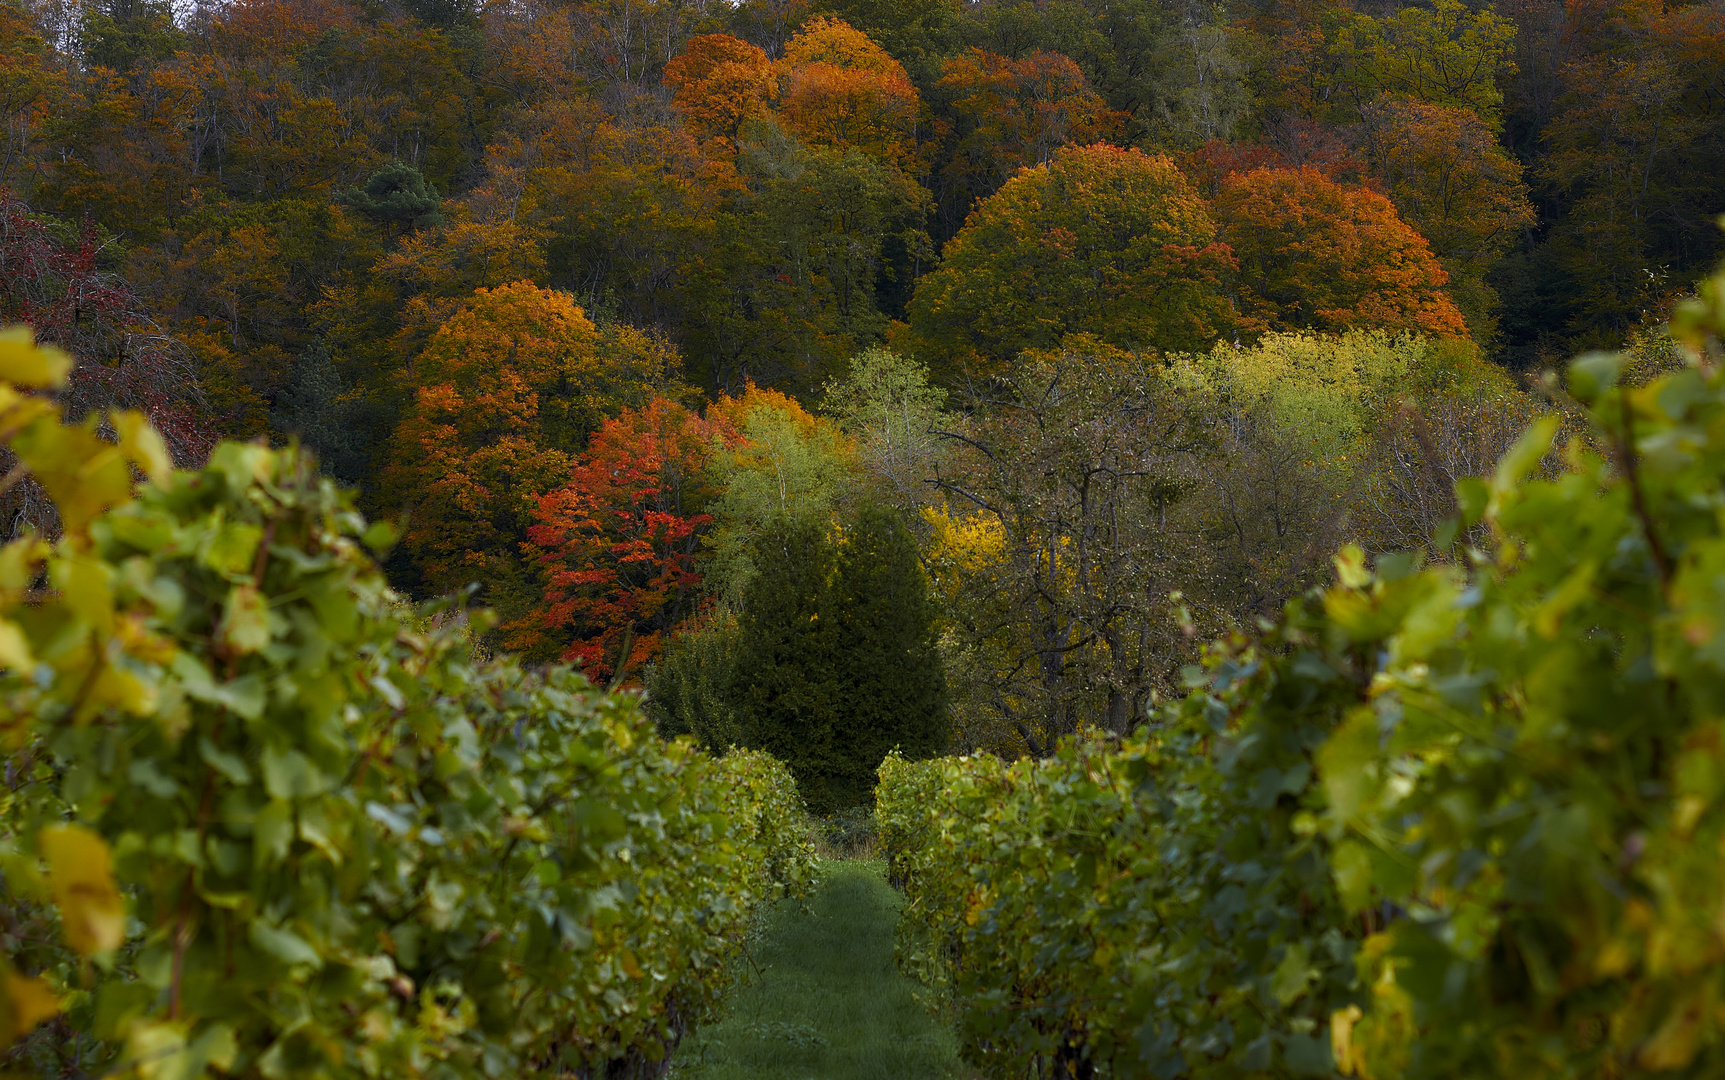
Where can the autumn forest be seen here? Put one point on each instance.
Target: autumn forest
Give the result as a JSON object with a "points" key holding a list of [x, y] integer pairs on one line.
{"points": [[1030, 342]]}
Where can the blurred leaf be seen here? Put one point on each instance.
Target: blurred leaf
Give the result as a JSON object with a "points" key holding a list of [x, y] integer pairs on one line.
{"points": [[24, 362], [25, 1001], [81, 874], [142, 444], [245, 620]]}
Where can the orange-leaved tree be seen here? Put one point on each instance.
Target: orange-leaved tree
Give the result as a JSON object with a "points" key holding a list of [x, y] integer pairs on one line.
{"points": [[717, 82], [1110, 242], [1315, 254], [1007, 114], [506, 393], [840, 89], [616, 544], [1450, 179]]}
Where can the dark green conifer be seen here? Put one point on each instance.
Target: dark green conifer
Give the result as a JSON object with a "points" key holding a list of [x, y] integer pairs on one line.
{"points": [[689, 688], [891, 682], [331, 423], [786, 685], [396, 194]]}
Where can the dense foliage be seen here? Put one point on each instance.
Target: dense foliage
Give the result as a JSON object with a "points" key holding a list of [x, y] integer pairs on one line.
{"points": [[848, 373], [443, 244], [1102, 239], [289, 827], [277, 179], [1092, 484], [829, 664], [1448, 819]]}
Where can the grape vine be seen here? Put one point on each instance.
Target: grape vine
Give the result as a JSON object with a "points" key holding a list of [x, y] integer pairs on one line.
{"points": [[264, 820], [1456, 819]]}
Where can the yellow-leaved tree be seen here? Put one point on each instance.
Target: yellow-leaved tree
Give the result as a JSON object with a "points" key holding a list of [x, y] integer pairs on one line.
{"points": [[1100, 240]]}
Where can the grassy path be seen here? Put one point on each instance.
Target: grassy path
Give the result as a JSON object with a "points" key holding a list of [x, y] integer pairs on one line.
{"points": [[827, 1003]]}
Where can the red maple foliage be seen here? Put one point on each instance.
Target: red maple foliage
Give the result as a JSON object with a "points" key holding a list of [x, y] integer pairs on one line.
{"points": [[616, 545]]}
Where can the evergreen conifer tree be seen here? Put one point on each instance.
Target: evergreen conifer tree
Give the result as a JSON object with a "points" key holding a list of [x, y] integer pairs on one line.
{"points": [[786, 685], [316, 407], [397, 194], [891, 683]]}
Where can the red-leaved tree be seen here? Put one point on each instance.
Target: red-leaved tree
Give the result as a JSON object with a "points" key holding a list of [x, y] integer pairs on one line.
{"points": [[125, 360], [616, 545]]}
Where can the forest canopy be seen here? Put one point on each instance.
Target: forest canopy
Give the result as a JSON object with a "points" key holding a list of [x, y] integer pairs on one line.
{"points": [[1124, 314], [1230, 484]]}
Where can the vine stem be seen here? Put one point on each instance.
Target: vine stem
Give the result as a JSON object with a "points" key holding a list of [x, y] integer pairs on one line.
{"points": [[181, 940], [1625, 449], [182, 929]]}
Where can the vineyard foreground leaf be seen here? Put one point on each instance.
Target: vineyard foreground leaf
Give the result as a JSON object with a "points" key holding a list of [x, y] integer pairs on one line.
{"points": [[81, 874], [25, 1001]]}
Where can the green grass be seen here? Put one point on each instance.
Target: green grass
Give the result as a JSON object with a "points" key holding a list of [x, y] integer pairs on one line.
{"points": [[822, 1000]]}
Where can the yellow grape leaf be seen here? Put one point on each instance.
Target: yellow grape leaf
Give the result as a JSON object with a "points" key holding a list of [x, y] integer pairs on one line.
{"points": [[1348, 1062], [631, 967], [142, 444], [230, 547], [242, 464], [82, 474], [1351, 568], [14, 649], [621, 733], [24, 362], [81, 875], [1614, 958], [121, 689], [157, 1049], [1675, 1044], [245, 622], [25, 1001], [19, 561], [19, 411], [139, 641], [86, 585]]}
